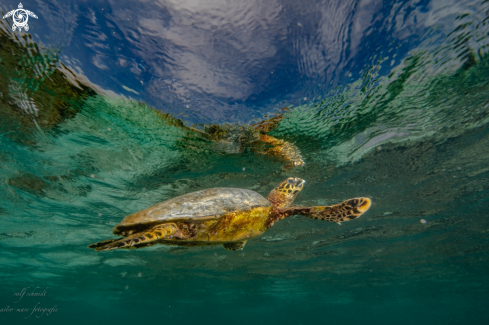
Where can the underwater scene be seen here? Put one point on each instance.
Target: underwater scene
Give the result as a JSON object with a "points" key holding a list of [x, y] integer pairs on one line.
{"points": [[244, 162]]}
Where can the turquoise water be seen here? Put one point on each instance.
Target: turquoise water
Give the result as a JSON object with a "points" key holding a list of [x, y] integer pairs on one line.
{"points": [[405, 125]]}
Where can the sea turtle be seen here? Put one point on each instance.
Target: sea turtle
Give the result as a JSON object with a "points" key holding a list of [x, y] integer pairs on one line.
{"points": [[222, 216], [234, 138]]}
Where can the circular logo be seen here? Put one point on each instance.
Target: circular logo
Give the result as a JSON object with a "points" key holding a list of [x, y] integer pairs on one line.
{"points": [[20, 18]]}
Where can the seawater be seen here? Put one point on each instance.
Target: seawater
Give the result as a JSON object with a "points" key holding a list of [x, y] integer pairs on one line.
{"points": [[413, 137]]}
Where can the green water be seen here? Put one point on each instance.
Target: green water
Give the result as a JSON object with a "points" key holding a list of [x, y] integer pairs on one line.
{"points": [[74, 161]]}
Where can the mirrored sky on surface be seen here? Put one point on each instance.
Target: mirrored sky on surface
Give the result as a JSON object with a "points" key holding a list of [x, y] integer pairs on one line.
{"points": [[225, 61]]}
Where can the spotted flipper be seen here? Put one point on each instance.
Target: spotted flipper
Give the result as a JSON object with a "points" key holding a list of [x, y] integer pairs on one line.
{"points": [[146, 238], [284, 194], [235, 246], [346, 211], [102, 243]]}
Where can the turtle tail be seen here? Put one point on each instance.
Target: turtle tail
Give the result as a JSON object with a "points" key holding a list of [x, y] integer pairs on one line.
{"points": [[137, 240]]}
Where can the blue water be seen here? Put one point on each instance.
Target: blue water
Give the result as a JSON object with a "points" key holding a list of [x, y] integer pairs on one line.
{"points": [[107, 108]]}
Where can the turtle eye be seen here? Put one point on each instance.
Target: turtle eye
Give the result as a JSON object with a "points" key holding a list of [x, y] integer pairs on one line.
{"points": [[290, 181]]}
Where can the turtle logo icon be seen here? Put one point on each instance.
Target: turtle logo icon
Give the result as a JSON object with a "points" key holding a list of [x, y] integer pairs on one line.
{"points": [[20, 17]]}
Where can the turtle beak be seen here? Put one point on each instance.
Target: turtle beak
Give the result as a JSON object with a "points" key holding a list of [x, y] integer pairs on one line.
{"points": [[298, 182]]}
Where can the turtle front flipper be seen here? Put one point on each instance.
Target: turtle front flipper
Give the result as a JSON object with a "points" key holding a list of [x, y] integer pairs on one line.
{"points": [[280, 148], [346, 211], [235, 246], [141, 239], [284, 194]]}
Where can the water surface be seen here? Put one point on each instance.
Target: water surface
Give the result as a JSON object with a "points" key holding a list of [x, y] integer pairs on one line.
{"points": [[386, 100]]}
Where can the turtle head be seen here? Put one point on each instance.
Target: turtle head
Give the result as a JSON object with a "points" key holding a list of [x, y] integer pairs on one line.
{"points": [[284, 194]]}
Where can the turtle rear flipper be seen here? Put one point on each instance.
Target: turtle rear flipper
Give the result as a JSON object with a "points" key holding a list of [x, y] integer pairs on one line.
{"points": [[346, 211], [234, 246], [102, 243], [146, 238]]}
